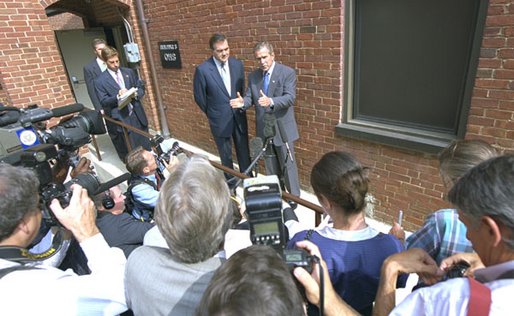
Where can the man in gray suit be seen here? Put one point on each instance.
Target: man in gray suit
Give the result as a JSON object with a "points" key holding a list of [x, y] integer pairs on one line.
{"points": [[93, 69], [272, 89], [193, 214]]}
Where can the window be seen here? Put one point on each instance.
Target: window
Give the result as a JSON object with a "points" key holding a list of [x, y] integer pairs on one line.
{"points": [[410, 70]]}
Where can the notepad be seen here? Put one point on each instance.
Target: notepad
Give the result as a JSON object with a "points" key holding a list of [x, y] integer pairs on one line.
{"points": [[126, 97]]}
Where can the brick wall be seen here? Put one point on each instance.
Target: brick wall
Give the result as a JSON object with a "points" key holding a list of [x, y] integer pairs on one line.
{"points": [[66, 21], [308, 36], [491, 116], [31, 66]]}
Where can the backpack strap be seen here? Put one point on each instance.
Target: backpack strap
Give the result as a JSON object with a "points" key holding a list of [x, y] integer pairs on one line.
{"points": [[479, 298], [138, 181]]}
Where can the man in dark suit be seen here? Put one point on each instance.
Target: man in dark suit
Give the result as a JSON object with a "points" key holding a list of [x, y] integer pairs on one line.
{"points": [[216, 81], [109, 86], [93, 69], [272, 89]]}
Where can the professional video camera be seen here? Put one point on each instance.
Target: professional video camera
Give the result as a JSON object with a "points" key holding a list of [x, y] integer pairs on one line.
{"points": [[24, 141], [263, 200], [21, 129]]}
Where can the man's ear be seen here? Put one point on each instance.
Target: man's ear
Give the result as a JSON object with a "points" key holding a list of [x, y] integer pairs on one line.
{"points": [[493, 229], [23, 225]]}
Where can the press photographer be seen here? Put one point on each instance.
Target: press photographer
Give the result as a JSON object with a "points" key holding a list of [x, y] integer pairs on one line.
{"points": [[148, 172], [25, 141], [33, 290]]}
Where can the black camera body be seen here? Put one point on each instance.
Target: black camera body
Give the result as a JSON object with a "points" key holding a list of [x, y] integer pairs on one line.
{"points": [[25, 141], [162, 154], [263, 200]]}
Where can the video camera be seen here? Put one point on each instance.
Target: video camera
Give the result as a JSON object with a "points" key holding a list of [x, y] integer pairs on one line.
{"points": [[263, 200], [24, 141]]}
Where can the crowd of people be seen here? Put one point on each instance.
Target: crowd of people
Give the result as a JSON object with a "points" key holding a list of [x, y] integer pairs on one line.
{"points": [[163, 252]]}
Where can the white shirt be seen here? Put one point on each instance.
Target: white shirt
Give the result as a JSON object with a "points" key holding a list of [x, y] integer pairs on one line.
{"points": [[451, 297], [101, 64], [115, 77], [50, 291]]}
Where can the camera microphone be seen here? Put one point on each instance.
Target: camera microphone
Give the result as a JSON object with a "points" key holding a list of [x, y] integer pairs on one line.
{"points": [[269, 125], [256, 146], [284, 138], [41, 114], [9, 117], [109, 184]]}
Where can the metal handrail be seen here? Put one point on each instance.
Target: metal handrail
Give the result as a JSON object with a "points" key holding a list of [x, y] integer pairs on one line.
{"points": [[285, 195]]}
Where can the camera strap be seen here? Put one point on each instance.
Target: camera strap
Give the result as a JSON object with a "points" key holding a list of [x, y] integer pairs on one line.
{"points": [[6, 271], [22, 255], [480, 295]]}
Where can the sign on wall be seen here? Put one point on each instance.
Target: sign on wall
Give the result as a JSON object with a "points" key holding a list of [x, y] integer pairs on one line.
{"points": [[170, 54]]}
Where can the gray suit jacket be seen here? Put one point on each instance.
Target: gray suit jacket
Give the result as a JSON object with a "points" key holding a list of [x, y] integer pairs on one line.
{"points": [[282, 89], [91, 71], [158, 284]]}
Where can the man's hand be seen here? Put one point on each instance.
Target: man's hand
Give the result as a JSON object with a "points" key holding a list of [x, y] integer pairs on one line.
{"points": [[333, 304], [397, 231], [414, 260], [121, 92], [79, 217], [264, 100], [172, 165], [471, 258], [83, 166], [237, 102]]}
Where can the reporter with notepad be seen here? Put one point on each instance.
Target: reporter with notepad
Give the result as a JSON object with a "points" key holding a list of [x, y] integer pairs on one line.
{"points": [[120, 90]]}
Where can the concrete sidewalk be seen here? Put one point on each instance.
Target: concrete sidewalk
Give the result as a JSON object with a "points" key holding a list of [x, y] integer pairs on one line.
{"points": [[111, 166]]}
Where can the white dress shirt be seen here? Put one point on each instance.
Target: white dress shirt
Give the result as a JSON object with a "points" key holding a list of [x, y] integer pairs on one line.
{"points": [[451, 297], [50, 291]]}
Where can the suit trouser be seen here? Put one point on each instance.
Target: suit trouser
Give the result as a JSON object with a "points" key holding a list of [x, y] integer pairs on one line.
{"points": [[224, 145], [137, 139], [278, 162], [118, 138]]}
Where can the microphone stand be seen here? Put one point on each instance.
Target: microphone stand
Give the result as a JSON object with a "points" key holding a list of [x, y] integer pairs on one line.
{"points": [[268, 142]]}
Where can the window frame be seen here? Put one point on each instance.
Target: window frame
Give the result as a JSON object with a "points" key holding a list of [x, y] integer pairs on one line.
{"points": [[418, 139]]}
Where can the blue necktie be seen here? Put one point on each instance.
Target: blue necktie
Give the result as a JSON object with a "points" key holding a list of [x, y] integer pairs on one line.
{"points": [[265, 84]]}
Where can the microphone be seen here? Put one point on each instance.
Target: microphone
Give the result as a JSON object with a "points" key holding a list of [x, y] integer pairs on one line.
{"points": [[256, 146], [269, 125], [9, 117], [40, 114], [109, 184], [67, 109], [284, 138]]}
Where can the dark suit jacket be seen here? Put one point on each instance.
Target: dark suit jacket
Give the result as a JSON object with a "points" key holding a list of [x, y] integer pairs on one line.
{"points": [[282, 89], [107, 90], [214, 100], [91, 71], [122, 231]]}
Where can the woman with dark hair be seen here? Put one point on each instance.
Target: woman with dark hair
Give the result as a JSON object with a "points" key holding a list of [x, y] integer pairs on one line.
{"points": [[353, 251]]}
